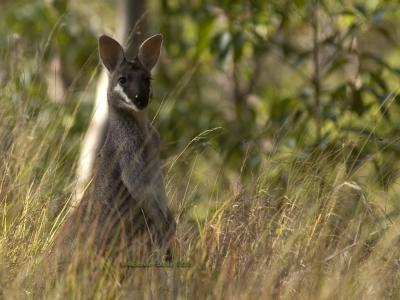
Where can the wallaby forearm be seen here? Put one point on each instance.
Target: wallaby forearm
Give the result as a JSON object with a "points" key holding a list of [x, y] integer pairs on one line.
{"points": [[149, 193]]}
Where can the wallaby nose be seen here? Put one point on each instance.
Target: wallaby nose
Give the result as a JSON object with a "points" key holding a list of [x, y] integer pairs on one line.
{"points": [[141, 101]]}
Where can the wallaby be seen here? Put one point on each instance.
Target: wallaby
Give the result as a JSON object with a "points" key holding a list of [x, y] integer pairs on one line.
{"points": [[127, 193]]}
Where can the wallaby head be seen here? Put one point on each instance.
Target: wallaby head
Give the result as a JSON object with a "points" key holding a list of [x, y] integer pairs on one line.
{"points": [[129, 81]]}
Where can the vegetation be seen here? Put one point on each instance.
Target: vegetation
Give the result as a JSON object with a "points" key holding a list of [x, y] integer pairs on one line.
{"points": [[279, 122]]}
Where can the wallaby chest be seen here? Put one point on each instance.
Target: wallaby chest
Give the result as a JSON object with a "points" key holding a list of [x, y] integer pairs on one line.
{"points": [[137, 137], [127, 137]]}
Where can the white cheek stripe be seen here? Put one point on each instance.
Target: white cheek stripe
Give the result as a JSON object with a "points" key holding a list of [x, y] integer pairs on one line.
{"points": [[120, 91]]}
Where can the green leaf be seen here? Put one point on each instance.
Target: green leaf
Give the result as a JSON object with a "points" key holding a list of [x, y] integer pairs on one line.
{"points": [[204, 34], [387, 34], [357, 104], [221, 45], [375, 76], [238, 44]]}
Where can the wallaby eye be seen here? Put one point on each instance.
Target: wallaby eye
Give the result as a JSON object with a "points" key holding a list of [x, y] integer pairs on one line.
{"points": [[122, 80]]}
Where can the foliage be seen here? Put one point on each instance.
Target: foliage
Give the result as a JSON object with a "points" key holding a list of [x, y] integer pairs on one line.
{"points": [[279, 127], [247, 41]]}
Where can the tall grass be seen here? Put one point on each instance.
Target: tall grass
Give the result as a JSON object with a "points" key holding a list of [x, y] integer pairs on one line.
{"points": [[305, 225]]}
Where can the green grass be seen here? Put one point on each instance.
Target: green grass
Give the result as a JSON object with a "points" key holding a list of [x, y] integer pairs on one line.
{"points": [[301, 226]]}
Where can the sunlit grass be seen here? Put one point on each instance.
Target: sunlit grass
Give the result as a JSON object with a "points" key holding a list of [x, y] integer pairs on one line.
{"points": [[300, 226]]}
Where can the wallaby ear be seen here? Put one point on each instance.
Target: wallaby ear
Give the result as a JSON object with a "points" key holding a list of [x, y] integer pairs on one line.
{"points": [[149, 51], [111, 52]]}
